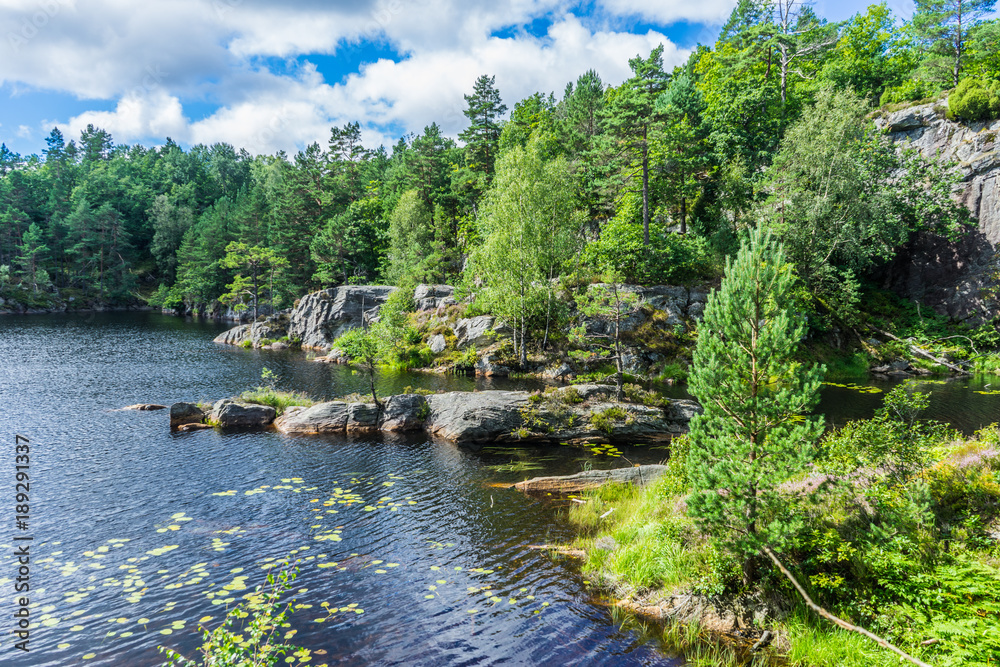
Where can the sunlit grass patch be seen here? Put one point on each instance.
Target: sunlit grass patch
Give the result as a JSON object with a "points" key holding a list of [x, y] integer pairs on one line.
{"points": [[277, 399]]}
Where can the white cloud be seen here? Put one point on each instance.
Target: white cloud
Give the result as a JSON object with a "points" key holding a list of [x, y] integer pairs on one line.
{"points": [[670, 11], [156, 56], [156, 114]]}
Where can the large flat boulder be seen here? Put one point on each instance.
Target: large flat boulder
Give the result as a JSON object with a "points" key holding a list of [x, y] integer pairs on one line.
{"points": [[330, 417], [228, 413], [321, 317], [481, 416], [591, 479], [404, 412]]}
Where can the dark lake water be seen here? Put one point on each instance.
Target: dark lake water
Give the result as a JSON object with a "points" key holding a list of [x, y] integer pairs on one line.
{"points": [[140, 534], [406, 554]]}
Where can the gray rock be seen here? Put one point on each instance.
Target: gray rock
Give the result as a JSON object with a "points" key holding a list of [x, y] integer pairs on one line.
{"points": [[481, 331], [234, 336], [910, 119], [557, 372], [953, 278], [900, 365], [591, 479], [432, 297], [321, 317], [228, 413], [681, 410], [185, 413], [482, 416], [404, 412], [362, 417], [330, 417], [487, 367], [437, 344]]}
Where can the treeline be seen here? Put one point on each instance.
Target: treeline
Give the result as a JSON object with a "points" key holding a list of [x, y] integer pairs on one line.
{"points": [[654, 180]]}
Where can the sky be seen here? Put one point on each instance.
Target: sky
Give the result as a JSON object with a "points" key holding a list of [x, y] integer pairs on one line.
{"points": [[268, 76]]}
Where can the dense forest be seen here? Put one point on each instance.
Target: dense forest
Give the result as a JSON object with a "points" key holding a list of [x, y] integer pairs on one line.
{"points": [[654, 180]]}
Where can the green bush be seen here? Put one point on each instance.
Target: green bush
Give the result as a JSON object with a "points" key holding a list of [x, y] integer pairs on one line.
{"points": [[250, 643], [973, 100], [908, 91], [669, 258]]}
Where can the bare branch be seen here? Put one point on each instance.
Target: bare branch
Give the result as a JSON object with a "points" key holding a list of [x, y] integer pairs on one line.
{"points": [[839, 621]]}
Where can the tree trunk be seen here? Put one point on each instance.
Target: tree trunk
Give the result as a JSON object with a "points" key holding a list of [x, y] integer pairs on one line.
{"points": [[524, 351], [371, 381], [684, 217], [645, 188]]}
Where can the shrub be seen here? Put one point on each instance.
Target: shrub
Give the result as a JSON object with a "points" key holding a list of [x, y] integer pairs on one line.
{"points": [[908, 91], [253, 643], [972, 101], [605, 419], [669, 258]]}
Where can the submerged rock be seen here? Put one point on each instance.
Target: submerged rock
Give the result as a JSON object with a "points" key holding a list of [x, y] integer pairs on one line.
{"points": [[591, 479], [145, 406]]}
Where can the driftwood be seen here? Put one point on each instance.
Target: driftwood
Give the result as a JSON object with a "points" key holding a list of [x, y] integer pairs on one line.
{"points": [[839, 621], [591, 479], [927, 355]]}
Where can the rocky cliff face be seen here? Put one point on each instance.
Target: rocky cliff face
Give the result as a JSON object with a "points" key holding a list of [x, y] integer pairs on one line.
{"points": [[952, 278]]}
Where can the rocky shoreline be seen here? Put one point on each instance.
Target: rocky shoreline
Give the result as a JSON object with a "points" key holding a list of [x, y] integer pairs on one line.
{"points": [[572, 414]]}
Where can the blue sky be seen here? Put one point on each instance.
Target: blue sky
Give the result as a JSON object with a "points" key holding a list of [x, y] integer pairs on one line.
{"points": [[272, 76]]}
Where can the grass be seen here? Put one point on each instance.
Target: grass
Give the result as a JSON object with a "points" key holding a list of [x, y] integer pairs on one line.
{"points": [[651, 533], [816, 645], [277, 399]]}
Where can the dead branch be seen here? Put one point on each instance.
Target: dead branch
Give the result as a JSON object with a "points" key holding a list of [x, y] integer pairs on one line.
{"points": [[927, 355], [835, 620]]}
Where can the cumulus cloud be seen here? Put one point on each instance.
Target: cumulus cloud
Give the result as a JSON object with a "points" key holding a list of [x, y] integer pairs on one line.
{"points": [[154, 58]]}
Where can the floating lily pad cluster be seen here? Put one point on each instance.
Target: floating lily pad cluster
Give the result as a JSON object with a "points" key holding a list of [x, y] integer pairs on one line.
{"points": [[138, 566]]}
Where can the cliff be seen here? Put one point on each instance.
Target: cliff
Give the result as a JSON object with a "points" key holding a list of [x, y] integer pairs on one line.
{"points": [[955, 279]]}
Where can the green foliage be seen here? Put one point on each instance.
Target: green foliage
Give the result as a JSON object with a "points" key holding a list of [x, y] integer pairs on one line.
{"points": [[944, 26], [606, 419], [669, 259], [250, 634], [528, 226], [894, 441], [752, 435], [910, 90], [972, 101]]}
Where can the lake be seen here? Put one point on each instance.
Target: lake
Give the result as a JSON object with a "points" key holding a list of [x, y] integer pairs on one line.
{"points": [[138, 534], [405, 552]]}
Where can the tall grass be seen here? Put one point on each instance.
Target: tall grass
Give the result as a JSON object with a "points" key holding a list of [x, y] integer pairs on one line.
{"points": [[277, 399]]}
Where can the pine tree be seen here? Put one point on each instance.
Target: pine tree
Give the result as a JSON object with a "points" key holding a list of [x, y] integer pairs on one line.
{"points": [[752, 435], [944, 26], [630, 120], [483, 134]]}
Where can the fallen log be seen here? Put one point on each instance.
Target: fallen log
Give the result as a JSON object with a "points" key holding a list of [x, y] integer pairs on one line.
{"points": [[591, 479]]}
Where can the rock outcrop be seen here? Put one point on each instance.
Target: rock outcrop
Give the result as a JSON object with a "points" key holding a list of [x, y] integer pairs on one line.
{"points": [[591, 479], [954, 279], [432, 297], [321, 317], [481, 331], [501, 416]]}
